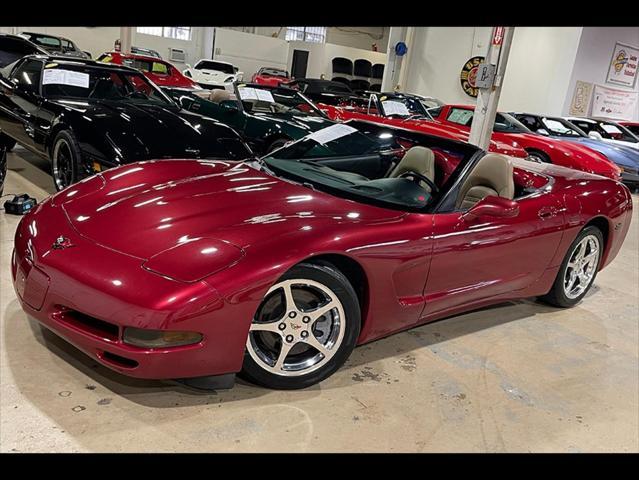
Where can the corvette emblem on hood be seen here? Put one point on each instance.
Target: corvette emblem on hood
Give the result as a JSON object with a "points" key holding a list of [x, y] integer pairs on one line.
{"points": [[61, 243]]}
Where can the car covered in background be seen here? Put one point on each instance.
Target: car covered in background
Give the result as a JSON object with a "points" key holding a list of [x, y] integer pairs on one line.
{"points": [[406, 111], [323, 91], [267, 117], [213, 74], [540, 148], [159, 71], [606, 130], [627, 158], [270, 76], [277, 268], [86, 116], [55, 45]]}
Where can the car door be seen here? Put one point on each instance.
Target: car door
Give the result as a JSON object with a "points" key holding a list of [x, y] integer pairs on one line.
{"points": [[488, 256], [21, 101]]}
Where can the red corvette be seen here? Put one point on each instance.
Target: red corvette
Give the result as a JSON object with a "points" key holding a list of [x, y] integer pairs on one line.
{"points": [[279, 267], [540, 148], [406, 111], [159, 71], [270, 76]]}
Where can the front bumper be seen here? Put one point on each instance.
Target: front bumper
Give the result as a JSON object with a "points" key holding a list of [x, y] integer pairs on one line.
{"points": [[88, 295]]}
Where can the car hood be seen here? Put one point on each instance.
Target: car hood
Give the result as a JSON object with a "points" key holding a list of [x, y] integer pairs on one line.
{"points": [[620, 154], [140, 132], [149, 207]]}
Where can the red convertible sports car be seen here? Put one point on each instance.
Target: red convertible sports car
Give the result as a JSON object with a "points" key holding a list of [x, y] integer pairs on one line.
{"points": [[406, 111], [159, 71], [271, 76], [278, 267], [540, 148]]}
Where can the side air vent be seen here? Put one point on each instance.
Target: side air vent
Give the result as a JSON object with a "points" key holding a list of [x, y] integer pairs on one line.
{"points": [[177, 55]]}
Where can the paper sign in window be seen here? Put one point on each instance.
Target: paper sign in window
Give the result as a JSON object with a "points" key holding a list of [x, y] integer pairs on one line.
{"points": [[328, 134], [392, 107], [65, 77]]}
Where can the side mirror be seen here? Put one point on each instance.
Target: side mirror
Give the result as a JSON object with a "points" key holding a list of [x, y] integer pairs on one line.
{"points": [[542, 131], [595, 135], [492, 206], [230, 106]]}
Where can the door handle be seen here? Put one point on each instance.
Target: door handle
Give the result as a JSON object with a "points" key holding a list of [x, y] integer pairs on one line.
{"points": [[547, 212]]}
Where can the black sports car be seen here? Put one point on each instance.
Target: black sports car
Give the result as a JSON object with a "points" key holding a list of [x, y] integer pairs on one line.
{"points": [[87, 116], [323, 91]]}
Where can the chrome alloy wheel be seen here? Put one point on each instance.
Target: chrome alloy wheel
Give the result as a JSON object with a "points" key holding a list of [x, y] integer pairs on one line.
{"points": [[582, 266], [62, 167], [297, 329]]}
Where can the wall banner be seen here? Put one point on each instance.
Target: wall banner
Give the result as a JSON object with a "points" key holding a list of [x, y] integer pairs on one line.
{"points": [[613, 103], [623, 66], [581, 99]]}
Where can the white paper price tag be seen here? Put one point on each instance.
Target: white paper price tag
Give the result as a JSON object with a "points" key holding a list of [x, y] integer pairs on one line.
{"points": [[65, 77], [392, 107], [328, 134]]}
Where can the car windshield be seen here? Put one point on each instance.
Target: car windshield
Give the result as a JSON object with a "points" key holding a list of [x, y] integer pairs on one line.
{"points": [[504, 123], [217, 66], [618, 132], [355, 160], [273, 72], [258, 99], [561, 128], [406, 106], [45, 41], [88, 82]]}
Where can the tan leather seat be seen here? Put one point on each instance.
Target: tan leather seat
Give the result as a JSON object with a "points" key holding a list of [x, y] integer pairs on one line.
{"points": [[416, 159], [493, 175], [219, 95]]}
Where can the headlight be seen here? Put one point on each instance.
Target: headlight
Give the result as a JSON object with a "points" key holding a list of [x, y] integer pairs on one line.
{"points": [[144, 338]]}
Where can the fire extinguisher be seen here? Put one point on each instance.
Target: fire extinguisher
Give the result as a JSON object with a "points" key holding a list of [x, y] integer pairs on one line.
{"points": [[117, 46]]}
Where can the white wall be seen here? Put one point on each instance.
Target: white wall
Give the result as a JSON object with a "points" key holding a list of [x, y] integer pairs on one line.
{"points": [[593, 58], [250, 52], [537, 75]]}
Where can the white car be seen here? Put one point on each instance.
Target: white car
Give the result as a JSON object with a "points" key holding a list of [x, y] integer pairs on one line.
{"points": [[213, 74], [609, 132]]}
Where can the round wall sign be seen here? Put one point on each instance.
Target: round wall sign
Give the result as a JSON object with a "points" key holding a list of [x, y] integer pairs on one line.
{"points": [[468, 76], [401, 49]]}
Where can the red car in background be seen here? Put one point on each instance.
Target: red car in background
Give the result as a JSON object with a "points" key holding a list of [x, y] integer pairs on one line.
{"points": [[406, 111], [270, 76], [159, 71], [541, 149], [632, 126]]}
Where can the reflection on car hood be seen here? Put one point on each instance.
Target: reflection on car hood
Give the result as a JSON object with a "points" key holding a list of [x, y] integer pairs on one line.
{"points": [[302, 121], [145, 208]]}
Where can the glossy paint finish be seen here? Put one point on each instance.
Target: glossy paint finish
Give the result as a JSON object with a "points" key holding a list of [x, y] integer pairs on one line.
{"points": [[419, 125], [259, 129], [173, 77], [566, 154], [111, 133], [155, 245], [262, 78]]}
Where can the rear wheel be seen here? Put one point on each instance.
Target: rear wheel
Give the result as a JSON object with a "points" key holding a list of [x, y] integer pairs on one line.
{"points": [[304, 329], [578, 270]]}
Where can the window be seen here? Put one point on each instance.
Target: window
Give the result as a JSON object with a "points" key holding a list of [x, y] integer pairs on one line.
{"points": [[306, 34], [178, 33], [28, 75]]}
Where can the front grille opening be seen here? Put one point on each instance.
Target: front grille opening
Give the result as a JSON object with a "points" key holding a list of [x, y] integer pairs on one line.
{"points": [[118, 360], [90, 325]]}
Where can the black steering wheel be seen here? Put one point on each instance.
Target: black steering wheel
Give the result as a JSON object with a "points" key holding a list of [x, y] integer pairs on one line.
{"points": [[417, 177]]}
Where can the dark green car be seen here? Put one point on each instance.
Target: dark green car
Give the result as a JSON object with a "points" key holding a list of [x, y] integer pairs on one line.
{"points": [[267, 117]]}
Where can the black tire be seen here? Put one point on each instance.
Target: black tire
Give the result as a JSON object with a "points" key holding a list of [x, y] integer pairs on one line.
{"points": [[330, 277], [7, 142], [557, 295], [538, 156], [65, 172], [278, 143]]}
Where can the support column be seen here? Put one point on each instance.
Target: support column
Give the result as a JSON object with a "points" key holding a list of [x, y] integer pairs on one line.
{"points": [[126, 35], [488, 98], [394, 63]]}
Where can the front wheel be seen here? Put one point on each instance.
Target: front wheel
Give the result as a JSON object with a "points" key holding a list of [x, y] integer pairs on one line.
{"points": [[578, 270], [65, 160], [304, 329]]}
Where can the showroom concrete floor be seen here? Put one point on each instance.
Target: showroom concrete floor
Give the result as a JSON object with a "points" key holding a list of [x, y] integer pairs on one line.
{"points": [[518, 377]]}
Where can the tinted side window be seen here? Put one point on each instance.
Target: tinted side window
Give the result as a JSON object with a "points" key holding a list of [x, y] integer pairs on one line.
{"points": [[27, 75], [530, 122]]}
